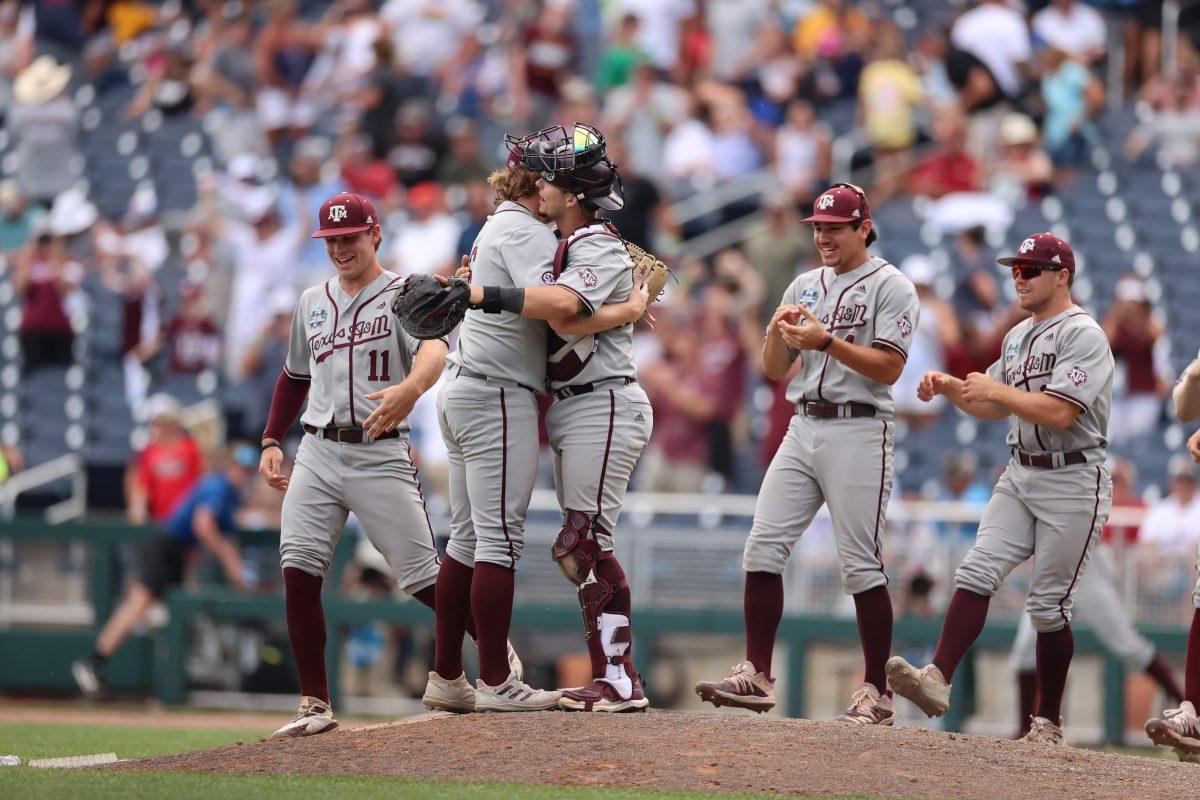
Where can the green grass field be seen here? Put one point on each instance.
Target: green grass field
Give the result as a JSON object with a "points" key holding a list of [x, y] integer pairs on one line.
{"points": [[36, 740]]}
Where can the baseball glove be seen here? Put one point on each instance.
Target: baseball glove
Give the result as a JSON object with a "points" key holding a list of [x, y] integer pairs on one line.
{"points": [[649, 270], [428, 309]]}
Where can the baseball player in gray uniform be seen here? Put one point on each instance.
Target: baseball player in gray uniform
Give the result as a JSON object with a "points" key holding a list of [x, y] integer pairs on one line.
{"points": [[361, 374], [1179, 728], [850, 323], [1054, 379], [1098, 606], [489, 419], [601, 419]]}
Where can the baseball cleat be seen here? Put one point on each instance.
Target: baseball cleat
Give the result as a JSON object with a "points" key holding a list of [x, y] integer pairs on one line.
{"points": [[869, 707], [1178, 728], [514, 662], [1043, 731], [602, 696], [87, 678], [456, 696], [315, 716], [926, 687], [745, 688], [513, 695]]}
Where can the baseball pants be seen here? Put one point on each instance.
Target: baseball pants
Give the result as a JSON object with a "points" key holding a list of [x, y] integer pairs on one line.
{"points": [[1097, 606], [1053, 516], [597, 439], [491, 434], [846, 463], [378, 482]]}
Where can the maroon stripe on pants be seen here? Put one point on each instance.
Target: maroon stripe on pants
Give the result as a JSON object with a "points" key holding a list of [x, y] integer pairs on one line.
{"points": [[504, 479], [612, 413], [425, 508], [879, 504], [1079, 564]]}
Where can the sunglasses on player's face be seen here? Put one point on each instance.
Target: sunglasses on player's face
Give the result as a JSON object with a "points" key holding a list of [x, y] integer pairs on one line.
{"points": [[1031, 271]]}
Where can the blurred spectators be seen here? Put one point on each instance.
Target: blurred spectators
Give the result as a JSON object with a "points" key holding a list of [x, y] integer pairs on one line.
{"points": [[1173, 523], [166, 468], [621, 57], [1124, 495], [191, 337], [427, 33], [1135, 331], [1073, 27], [44, 124], [1172, 121], [960, 483], [16, 45], [1072, 96], [427, 241], [889, 94], [977, 303], [644, 212], [44, 275], [12, 461], [802, 153], [261, 361], [997, 35], [284, 51], [660, 28], [640, 114], [18, 219], [418, 147], [547, 50], [1023, 170], [780, 248], [948, 168], [464, 164], [937, 333]]}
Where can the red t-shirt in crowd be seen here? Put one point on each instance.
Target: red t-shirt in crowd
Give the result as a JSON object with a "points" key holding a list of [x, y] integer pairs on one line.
{"points": [[167, 472], [193, 345], [1136, 349], [945, 173], [43, 310]]}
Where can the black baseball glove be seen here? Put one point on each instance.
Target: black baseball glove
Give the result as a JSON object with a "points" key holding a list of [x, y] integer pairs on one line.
{"points": [[427, 309]]}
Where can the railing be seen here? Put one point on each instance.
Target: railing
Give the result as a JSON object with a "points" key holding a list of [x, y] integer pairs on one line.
{"points": [[66, 466]]}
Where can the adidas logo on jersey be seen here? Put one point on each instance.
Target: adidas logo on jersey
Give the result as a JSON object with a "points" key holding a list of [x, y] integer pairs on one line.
{"points": [[639, 417]]}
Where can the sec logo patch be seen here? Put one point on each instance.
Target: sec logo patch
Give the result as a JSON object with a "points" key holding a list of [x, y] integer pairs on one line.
{"points": [[548, 278]]}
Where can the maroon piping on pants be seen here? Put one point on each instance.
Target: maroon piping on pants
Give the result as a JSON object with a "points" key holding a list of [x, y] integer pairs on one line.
{"points": [[612, 413], [504, 479], [879, 505], [424, 507], [1079, 564]]}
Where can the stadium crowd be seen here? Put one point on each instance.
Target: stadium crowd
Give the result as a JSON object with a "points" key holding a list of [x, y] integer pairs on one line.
{"points": [[990, 103]]}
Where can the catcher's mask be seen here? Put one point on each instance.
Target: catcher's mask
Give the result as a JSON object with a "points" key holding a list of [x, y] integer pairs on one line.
{"points": [[578, 163]]}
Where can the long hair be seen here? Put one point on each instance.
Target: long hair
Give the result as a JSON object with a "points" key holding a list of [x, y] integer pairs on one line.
{"points": [[512, 183]]}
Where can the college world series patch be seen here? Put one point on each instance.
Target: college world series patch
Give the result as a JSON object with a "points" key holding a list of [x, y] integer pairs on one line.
{"points": [[317, 318]]}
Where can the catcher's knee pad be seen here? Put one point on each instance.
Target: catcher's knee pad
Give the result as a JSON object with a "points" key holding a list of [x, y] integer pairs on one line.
{"points": [[575, 549]]}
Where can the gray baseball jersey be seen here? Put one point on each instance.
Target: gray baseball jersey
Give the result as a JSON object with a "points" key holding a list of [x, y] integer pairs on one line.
{"points": [[349, 347], [597, 268], [491, 425], [1068, 357], [512, 249], [1099, 606], [873, 304]]}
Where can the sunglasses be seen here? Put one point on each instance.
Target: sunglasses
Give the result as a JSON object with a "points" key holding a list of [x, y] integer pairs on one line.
{"points": [[1031, 271]]}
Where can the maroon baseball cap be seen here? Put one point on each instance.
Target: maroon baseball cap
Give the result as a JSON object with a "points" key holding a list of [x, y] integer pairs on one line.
{"points": [[1044, 249], [842, 202], [345, 213]]}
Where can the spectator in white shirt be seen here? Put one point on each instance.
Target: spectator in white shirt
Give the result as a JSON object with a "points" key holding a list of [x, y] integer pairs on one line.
{"points": [[999, 37], [427, 242], [660, 26], [1075, 28], [1173, 523]]}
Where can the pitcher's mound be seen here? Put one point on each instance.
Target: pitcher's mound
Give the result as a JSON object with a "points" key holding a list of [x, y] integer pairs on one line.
{"points": [[703, 751]]}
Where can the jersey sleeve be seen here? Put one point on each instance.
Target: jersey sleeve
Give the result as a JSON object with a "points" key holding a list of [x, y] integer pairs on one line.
{"points": [[528, 254], [996, 370], [791, 297], [597, 271], [296, 364], [1083, 367], [897, 312]]}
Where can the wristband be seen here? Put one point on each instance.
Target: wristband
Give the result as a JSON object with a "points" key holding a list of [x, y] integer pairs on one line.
{"points": [[502, 298], [267, 445], [828, 342]]}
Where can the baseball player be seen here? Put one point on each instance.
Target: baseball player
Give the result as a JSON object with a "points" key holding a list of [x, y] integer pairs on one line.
{"points": [[361, 374], [1054, 379], [601, 419], [1180, 727], [1098, 605], [489, 419], [850, 323]]}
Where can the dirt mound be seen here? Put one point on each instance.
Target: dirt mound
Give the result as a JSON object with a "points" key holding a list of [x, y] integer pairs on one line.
{"points": [[703, 751]]}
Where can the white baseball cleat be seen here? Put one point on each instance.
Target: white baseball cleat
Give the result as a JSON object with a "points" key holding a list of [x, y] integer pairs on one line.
{"points": [[315, 716], [1178, 728], [1043, 731], [513, 695], [87, 678], [456, 696], [925, 686], [869, 707]]}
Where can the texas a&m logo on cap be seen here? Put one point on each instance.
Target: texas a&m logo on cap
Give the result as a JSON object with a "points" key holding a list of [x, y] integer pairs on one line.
{"points": [[826, 201], [345, 213], [337, 213], [1027, 246]]}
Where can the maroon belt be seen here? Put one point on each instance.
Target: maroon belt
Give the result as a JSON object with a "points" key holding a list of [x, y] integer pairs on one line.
{"points": [[823, 409], [1046, 460], [348, 435]]}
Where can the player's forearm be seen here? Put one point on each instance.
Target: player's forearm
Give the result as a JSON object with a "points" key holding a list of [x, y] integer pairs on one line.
{"points": [[537, 302], [776, 360], [952, 390], [428, 365], [1037, 408], [286, 402], [1187, 393], [607, 316], [875, 363]]}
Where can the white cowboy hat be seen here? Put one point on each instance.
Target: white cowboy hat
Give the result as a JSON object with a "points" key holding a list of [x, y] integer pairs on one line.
{"points": [[41, 81], [72, 213]]}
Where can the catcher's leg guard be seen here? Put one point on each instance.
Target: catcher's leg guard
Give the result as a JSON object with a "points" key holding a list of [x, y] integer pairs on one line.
{"points": [[616, 637]]}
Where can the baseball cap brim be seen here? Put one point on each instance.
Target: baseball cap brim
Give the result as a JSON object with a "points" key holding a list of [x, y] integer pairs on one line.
{"points": [[829, 218], [324, 232]]}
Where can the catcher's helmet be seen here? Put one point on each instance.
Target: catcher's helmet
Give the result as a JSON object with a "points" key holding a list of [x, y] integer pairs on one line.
{"points": [[577, 164]]}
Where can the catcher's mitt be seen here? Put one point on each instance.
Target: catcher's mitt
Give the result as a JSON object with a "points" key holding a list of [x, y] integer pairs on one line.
{"points": [[429, 310], [649, 270]]}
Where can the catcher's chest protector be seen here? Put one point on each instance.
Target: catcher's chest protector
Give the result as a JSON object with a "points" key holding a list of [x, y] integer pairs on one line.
{"points": [[567, 358]]}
